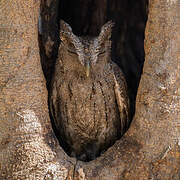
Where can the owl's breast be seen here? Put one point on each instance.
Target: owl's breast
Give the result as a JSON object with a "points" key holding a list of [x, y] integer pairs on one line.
{"points": [[90, 109]]}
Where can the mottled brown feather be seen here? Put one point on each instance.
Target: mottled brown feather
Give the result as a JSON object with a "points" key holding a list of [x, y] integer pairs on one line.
{"points": [[90, 112]]}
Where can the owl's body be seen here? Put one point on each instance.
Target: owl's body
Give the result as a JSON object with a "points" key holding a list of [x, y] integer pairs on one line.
{"points": [[89, 100]]}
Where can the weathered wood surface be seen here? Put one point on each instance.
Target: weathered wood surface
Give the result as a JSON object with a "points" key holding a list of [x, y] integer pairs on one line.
{"points": [[28, 150]]}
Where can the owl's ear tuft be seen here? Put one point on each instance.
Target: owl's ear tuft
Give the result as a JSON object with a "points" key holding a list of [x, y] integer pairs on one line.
{"points": [[106, 31], [65, 31], [65, 27]]}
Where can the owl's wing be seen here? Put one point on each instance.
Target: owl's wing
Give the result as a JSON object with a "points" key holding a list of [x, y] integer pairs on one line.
{"points": [[53, 102], [121, 93]]}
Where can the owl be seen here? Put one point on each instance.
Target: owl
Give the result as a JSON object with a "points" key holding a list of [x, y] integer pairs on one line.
{"points": [[88, 98]]}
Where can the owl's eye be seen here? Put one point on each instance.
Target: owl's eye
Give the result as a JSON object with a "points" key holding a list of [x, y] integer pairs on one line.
{"points": [[70, 47], [102, 53], [72, 52]]}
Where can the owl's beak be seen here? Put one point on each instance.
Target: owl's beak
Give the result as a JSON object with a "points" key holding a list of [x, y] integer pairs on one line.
{"points": [[87, 69]]}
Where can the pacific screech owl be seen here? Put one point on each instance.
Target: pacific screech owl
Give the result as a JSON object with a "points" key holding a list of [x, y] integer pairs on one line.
{"points": [[88, 101]]}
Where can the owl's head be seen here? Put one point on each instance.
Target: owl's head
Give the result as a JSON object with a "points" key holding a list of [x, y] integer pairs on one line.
{"points": [[91, 53]]}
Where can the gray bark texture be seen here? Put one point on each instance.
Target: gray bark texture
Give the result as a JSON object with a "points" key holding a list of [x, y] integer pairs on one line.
{"points": [[28, 149]]}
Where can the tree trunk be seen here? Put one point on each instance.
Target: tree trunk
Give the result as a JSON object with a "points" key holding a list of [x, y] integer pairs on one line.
{"points": [[28, 148]]}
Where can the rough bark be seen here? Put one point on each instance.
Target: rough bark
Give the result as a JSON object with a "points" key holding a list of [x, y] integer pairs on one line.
{"points": [[48, 36], [151, 147], [28, 150]]}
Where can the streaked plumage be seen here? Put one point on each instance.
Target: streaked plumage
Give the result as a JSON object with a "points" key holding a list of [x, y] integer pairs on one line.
{"points": [[88, 100]]}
